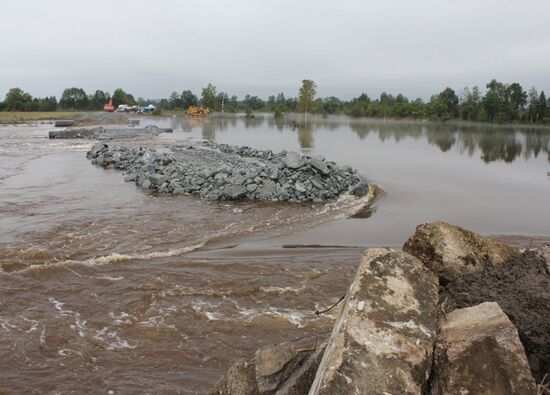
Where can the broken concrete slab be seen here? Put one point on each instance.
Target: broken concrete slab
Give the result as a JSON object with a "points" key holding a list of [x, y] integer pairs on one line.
{"points": [[383, 339], [478, 351], [450, 251]]}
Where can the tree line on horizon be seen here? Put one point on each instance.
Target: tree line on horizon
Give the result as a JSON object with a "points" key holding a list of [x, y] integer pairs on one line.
{"points": [[501, 103]]}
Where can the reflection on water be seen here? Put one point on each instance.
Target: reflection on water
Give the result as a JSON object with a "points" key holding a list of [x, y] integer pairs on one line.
{"points": [[496, 143]]}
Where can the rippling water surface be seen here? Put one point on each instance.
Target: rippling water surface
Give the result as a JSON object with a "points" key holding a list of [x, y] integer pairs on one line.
{"points": [[105, 287]]}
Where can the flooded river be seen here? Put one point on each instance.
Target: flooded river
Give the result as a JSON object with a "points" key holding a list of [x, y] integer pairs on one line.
{"points": [[106, 288]]}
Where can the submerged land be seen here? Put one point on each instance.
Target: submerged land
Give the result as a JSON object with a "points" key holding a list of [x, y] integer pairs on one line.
{"points": [[115, 281], [428, 321]]}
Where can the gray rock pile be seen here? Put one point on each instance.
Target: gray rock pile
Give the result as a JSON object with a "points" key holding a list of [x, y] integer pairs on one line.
{"points": [[223, 172], [106, 133]]}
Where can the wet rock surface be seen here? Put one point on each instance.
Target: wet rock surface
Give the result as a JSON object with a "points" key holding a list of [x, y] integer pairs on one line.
{"points": [[451, 251], [280, 369], [240, 379], [478, 351], [402, 332], [224, 172], [106, 133], [522, 289], [384, 337]]}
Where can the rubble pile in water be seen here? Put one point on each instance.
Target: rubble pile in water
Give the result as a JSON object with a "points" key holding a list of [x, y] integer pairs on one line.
{"points": [[225, 172]]}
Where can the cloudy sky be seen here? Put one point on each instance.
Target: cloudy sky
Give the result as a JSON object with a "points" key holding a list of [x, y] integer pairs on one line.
{"points": [[151, 48]]}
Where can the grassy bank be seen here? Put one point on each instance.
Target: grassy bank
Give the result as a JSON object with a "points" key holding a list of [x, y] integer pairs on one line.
{"points": [[13, 117]]}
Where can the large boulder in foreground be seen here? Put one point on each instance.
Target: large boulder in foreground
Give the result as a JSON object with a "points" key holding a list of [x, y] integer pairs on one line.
{"points": [[383, 340], [450, 251], [280, 369], [478, 351], [522, 290]]}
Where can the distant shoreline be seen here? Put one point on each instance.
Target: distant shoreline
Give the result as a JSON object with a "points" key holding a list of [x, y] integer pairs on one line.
{"points": [[21, 117]]}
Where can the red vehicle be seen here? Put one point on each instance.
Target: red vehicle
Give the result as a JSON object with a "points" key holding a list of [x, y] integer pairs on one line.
{"points": [[109, 106]]}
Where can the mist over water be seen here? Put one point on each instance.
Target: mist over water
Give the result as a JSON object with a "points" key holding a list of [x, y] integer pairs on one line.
{"points": [[107, 287]]}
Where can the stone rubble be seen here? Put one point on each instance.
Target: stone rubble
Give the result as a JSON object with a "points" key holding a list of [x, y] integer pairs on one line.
{"points": [[224, 172], [106, 133]]}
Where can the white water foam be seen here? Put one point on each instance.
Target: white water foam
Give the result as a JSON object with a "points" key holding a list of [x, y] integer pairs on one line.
{"points": [[6, 325], [79, 324], [34, 324], [283, 290], [116, 258], [114, 342]]}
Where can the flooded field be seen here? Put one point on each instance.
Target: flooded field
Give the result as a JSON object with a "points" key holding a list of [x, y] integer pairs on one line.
{"points": [[105, 287]]}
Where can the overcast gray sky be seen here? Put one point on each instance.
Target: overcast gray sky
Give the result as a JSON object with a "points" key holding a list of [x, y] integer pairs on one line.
{"points": [[151, 48]]}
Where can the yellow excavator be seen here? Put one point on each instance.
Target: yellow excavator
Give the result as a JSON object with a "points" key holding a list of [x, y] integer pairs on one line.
{"points": [[197, 111]]}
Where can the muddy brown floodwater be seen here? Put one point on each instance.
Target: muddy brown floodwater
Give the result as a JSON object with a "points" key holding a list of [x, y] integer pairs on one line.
{"points": [[108, 289]]}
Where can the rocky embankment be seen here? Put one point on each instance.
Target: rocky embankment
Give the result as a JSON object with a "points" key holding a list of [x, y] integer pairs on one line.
{"points": [[103, 126], [454, 313], [107, 133], [224, 172]]}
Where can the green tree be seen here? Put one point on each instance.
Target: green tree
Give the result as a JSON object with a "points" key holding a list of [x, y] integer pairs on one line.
{"points": [[121, 97], [99, 99], [359, 106], [74, 99], [444, 105], [471, 102], [175, 101], [45, 104], [306, 95], [517, 99], [533, 102], [332, 105], [450, 101], [209, 97], [188, 99], [400, 108], [385, 103], [232, 104], [270, 104], [253, 102], [417, 109], [542, 107], [17, 100], [494, 101], [164, 104]]}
